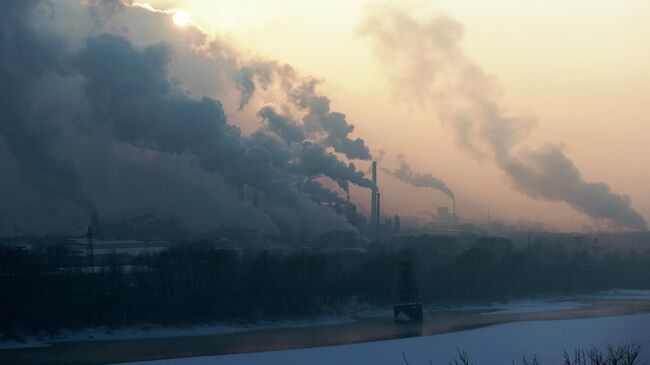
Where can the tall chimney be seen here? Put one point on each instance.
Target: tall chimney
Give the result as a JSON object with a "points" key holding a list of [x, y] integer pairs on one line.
{"points": [[378, 212], [373, 202]]}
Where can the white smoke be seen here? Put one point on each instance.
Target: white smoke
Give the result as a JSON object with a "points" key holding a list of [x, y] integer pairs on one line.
{"points": [[425, 63]]}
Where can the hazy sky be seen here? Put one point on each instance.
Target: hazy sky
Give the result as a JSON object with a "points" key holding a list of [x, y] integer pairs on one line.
{"points": [[536, 113], [580, 68]]}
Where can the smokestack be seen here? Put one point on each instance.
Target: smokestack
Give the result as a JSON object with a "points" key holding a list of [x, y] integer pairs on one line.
{"points": [[373, 202], [378, 212]]}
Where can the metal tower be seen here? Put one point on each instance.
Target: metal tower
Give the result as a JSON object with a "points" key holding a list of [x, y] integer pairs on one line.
{"points": [[408, 307]]}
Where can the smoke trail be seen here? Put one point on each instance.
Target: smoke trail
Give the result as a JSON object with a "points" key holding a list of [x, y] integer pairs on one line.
{"points": [[26, 57], [109, 119], [343, 184], [282, 125], [249, 76], [314, 160], [329, 128], [426, 64], [318, 191], [405, 174], [130, 91], [319, 118], [311, 159]]}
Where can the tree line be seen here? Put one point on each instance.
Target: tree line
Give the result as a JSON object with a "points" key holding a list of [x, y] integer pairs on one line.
{"points": [[52, 288]]}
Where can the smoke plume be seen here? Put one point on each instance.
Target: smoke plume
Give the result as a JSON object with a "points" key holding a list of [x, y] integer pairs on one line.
{"points": [[329, 128], [318, 191], [282, 125], [314, 160], [27, 56], [88, 111], [425, 63], [319, 119], [405, 174]]}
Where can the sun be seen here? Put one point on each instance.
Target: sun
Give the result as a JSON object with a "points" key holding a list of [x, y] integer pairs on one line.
{"points": [[181, 18]]}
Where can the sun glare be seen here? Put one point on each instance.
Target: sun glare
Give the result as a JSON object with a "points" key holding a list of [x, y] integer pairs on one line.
{"points": [[181, 18]]}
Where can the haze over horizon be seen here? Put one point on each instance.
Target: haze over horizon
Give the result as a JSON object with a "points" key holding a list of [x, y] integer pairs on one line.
{"points": [[127, 110]]}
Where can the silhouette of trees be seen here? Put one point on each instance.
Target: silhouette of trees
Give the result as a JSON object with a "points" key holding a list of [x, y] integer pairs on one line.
{"points": [[51, 287]]}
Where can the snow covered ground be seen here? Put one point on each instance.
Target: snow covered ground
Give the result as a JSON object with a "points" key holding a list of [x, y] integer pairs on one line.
{"points": [[550, 304], [499, 344], [157, 331], [532, 306]]}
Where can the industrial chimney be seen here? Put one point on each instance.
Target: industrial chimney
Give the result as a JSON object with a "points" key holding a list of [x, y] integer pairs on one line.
{"points": [[373, 201], [378, 212]]}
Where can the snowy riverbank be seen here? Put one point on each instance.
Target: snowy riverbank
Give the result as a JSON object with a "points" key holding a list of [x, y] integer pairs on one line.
{"points": [[499, 344], [350, 313]]}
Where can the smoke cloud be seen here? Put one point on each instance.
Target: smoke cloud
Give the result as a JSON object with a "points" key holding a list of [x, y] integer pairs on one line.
{"points": [[130, 90], [95, 114], [319, 192], [249, 76], [319, 119], [405, 174], [282, 125], [26, 57], [314, 160], [425, 63], [329, 128]]}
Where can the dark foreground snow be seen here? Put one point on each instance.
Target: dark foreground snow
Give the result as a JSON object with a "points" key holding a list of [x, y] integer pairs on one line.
{"points": [[498, 344]]}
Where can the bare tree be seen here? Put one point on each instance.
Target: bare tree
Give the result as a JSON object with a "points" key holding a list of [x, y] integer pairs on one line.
{"points": [[624, 354], [463, 359]]}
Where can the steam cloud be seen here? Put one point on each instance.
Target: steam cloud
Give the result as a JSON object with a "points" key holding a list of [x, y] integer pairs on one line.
{"points": [[405, 174], [314, 160], [334, 124], [98, 121], [315, 189], [26, 57], [425, 63], [282, 125]]}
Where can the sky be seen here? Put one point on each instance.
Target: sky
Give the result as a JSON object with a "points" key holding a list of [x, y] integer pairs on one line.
{"points": [[579, 68], [533, 112]]}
